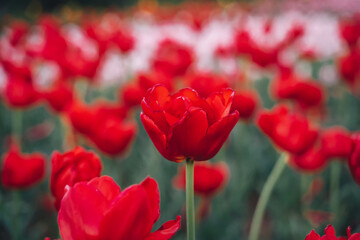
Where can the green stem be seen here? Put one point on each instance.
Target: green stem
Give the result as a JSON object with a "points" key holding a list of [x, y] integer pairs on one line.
{"points": [[190, 213], [334, 186], [16, 215], [17, 125], [265, 195]]}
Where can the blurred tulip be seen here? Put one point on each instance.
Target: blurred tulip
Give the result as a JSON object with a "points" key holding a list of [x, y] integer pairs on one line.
{"points": [[354, 159], [184, 125], [245, 102], [313, 160], [172, 58], [208, 178], [336, 142], [22, 170], [206, 83], [305, 93], [60, 97], [20, 92], [350, 30], [289, 131], [71, 167], [98, 210]]}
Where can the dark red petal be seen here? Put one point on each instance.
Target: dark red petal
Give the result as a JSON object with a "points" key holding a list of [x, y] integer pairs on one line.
{"points": [[216, 136], [187, 134], [166, 231], [129, 217], [82, 209], [106, 186], [152, 189]]}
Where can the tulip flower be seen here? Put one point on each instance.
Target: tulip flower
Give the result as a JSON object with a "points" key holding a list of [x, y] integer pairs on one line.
{"points": [[305, 93], [71, 167], [60, 97], [336, 142], [312, 160], [184, 125], [22, 170], [172, 58], [354, 159], [289, 131], [20, 92], [98, 209], [208, 178], [330, 235], [245, 102]]}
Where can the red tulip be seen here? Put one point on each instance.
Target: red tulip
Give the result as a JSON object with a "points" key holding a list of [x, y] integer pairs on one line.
{"points": [[100, 210], [172, 58], [305, 93], [20, 92], [336, 143], [354, 159], [208, 178], [330, 235], [312, 160], [245, 102], [350, 30], [289, 131], [113, 135], [349, 67], [206, 83], [72, 167], [60, 97], [22, 170], [184, 125]]}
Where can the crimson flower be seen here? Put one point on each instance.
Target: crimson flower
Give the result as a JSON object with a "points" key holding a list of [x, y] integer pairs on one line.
{"points": [[20, 92], [184, 125], [245, 102], [336, 142], [313, 160], [172, 58], [206, 83], [354, 159], [330, 235], [304, 92], [71, 167], [22, 170], [98, 209], [208, 178], [289, 131], [59, 97]]}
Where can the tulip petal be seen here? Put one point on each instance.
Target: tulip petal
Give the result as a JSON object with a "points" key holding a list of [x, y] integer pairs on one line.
{"points": [[152, 189], [129, 217], [166, 231], [188, 132], [106, 185], [216, 136], [78, 217], [158, 138]]}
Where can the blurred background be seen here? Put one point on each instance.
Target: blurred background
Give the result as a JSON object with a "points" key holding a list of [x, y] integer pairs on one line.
{"points": [[110, 50]]}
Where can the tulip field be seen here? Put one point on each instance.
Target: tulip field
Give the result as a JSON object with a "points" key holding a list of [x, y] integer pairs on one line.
{"points": [[201, 120]]}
